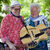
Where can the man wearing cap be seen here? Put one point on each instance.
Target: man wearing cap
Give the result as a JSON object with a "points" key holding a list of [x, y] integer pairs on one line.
{"points": [[11, 26]]}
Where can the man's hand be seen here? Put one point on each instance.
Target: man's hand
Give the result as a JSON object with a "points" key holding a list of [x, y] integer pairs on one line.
{"points": [[11, 45]]}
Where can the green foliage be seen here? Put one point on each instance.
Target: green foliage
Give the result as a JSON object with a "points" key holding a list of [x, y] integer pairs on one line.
{"points": [[6, 1], [25, 11], [1, 18], [0, 8], [45, 6]]}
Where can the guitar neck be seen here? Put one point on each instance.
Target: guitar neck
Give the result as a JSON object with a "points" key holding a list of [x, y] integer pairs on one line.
{"points": [[42, 30]]}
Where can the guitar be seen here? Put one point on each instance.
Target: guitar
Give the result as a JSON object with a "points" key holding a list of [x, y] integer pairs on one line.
{"points": [[35, 35]]}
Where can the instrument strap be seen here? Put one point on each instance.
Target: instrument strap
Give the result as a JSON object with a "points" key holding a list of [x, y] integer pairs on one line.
{"points": [[44, 22], [25, 25]]}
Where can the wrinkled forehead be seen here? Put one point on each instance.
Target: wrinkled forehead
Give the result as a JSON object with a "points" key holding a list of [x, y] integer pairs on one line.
{"points": [[34, 7], [18, 6]]}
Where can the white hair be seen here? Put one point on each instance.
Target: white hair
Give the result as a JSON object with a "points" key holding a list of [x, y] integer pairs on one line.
{"points": [[34, 4]]}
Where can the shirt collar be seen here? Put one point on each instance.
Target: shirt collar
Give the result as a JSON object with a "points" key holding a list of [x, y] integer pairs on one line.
{"points": [[15, 15]]}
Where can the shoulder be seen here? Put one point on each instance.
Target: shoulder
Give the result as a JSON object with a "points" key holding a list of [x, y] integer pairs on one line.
{"points": [[26, 19], [6, 18], [41, 17], [22, 16], [45, 20]]}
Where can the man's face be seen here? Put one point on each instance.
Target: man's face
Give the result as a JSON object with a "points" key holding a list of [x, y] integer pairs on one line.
{"points": [[34, 12], [16, 10]]}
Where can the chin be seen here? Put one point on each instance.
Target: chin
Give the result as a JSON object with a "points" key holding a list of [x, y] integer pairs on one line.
{"points": [[34, 16]]}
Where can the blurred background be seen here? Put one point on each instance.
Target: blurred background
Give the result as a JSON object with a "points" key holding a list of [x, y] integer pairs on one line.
{"points": [[25, 11], [45, 7]]}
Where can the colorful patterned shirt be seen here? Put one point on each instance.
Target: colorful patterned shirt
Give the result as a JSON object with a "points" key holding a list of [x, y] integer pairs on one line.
{"points": [[31, 20], [10, 29]]}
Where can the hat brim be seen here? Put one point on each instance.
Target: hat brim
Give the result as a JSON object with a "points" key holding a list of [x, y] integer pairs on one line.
{"points": [[16, 5]]}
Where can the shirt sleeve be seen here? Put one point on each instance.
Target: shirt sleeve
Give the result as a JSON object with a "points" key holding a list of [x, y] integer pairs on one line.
{"points": [[4, 29]]}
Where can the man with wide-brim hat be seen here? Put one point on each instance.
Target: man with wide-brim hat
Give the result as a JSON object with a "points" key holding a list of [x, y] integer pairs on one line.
{"points": [[11, 26]]}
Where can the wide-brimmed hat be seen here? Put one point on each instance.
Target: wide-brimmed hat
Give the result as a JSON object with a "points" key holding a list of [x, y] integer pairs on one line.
{"points": [[15, 3]]}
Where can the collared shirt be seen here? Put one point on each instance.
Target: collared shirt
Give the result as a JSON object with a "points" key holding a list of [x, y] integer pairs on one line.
{"points": [[39, 20], [10, 29], [30, 21]]}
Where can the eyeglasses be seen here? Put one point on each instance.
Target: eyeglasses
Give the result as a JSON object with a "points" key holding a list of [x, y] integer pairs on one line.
{"points": [[15, 8]]}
